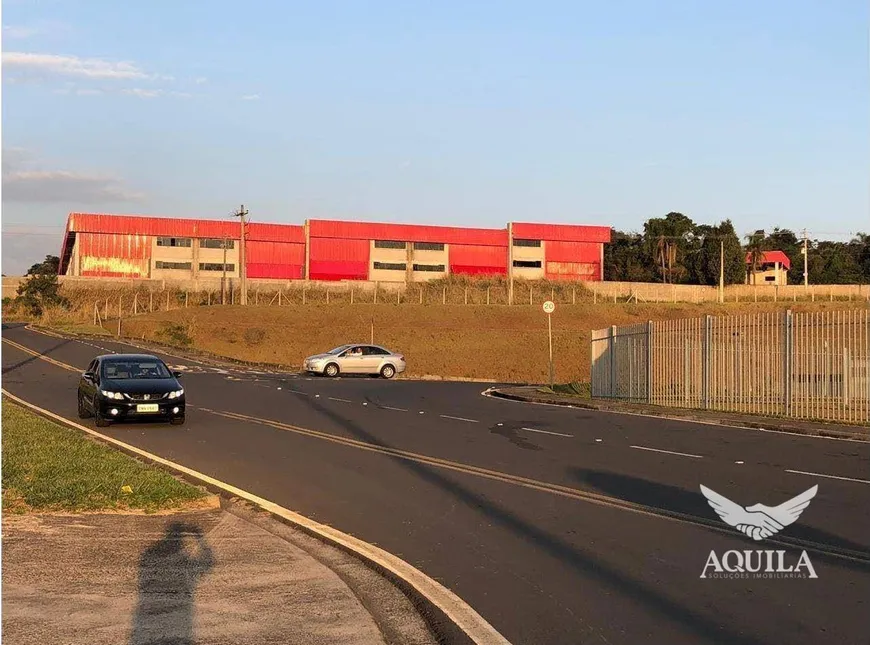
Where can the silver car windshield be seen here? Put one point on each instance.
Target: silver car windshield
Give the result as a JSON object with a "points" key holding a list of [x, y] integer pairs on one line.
{"points": [[338, 350]]}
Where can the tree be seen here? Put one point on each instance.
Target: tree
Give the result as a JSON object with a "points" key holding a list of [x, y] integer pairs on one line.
{"points": [[50, 265], [41, 288], [755, 251], [704, 264], [668, 240], [625, 259]]}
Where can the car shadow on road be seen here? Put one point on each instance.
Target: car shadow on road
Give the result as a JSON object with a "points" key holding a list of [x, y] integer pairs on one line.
{"points": [[169, 572], [673, 499], [705, 628]]}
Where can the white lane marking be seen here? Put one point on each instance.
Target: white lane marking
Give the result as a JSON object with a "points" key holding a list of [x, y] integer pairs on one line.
{"points": [[669, 452], [387, 407], [457, 610], [447, 416], [334, 398], [573, 408], [598, 441], [364, 403], [848, 479], [557, 434], [738, 462], [421, 412]]}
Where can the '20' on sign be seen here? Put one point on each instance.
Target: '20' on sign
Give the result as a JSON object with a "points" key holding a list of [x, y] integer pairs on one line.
{"points": [[549, 307]]}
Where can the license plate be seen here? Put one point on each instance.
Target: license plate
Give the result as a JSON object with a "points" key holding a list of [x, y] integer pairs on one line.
{"points": [[147, 407]]}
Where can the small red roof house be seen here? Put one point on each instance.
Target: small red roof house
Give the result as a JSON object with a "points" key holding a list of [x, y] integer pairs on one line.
{"points": [[772, 268]]}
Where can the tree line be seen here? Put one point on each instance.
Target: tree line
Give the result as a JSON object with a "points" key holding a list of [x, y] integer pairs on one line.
{"points": [[674, 249]]}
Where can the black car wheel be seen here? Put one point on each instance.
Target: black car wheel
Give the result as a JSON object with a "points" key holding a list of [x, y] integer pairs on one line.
{"points": [[177, 421], [99, 419], [84, 413]]}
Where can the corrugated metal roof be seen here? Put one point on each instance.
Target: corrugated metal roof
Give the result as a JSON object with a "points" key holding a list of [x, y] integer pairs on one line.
{"points": [[561, 232], [407, 232], [769, 257], [182, 227]]}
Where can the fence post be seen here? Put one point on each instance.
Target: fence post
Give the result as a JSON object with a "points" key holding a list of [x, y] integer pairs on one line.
{"points": [[376, 292], [119, 316], [351, 295], [612, 344], [487, 295], [531, 289], [208, 296], [444, 296], [847, 372], [466, 295], [705, 362], [167, 300], [649, 361], [788, 337], [186, 294], [594, 297], [421, 293], [573, 295], [327, 295], [150, 301]]}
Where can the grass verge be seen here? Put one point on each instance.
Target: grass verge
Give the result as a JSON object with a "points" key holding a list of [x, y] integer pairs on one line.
{"points": [[49, 468], [576, 389]]}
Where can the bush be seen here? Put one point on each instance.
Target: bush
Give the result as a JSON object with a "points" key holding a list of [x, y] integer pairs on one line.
{"points": [[254, 336], [176, 334], [38, 292]]}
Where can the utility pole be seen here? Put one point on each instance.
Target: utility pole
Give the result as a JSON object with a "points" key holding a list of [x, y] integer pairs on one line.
{"points": [[241, 214], [224, 278], [721, 270], [806, 255]]}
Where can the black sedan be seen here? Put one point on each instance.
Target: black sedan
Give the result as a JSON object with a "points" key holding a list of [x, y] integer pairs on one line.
{"points": [[130, 386]]}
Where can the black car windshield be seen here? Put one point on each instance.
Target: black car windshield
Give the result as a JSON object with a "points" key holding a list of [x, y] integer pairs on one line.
{"points": [[338, 350], [117, 370]]}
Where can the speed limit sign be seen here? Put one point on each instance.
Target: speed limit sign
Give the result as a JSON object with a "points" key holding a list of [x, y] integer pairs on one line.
{"points": [[549, 307]]}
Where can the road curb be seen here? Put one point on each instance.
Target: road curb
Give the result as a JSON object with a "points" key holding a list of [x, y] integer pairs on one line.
{"points": [[770, 424], [451, 619]]}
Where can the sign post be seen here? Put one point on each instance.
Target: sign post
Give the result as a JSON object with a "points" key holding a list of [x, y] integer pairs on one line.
{"points": [[549, 308]]}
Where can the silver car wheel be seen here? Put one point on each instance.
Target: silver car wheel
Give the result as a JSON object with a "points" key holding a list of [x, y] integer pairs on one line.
{"points": [[331, 370], [388, 371]]}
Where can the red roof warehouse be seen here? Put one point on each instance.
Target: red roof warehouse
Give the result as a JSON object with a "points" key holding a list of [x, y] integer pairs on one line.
{"points": [[121, 246]]}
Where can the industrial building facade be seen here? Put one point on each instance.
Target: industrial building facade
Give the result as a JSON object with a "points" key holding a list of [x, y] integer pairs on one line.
{"points": [[121, 246]]}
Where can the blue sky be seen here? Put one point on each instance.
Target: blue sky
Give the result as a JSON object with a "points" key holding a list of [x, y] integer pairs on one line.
{"points": [[467, 113]]}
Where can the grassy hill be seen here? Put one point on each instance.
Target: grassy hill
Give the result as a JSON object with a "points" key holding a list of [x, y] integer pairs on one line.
{"points": [[485, 342]]}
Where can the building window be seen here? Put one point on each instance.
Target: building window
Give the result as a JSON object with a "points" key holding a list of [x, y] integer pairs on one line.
{"points": [[429, 267], [213, 243], [215, 266], [535, 243], [389, 244], [390, 266], [179, 266], [428, 246], [769, 278], [527, 264], [173, 241]]}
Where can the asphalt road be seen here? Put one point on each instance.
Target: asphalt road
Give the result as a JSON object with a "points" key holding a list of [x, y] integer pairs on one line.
{"points": [[518, 508]]}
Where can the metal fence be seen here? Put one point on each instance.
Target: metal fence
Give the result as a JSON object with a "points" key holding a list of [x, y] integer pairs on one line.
{"points": [[802, 365]]}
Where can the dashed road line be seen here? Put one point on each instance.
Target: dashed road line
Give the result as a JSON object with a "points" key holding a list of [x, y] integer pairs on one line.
{"points": [[447, 416], [388, 407], [335, 398], [848, 479], [557, 434], [460, 613], [668, 452]]}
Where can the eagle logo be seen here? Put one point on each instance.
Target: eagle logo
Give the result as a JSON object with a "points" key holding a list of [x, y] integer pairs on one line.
{"points": [[759, 521]]}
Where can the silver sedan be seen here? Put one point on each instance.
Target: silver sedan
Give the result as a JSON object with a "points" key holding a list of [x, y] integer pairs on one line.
{"points": [[356, 359]]}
